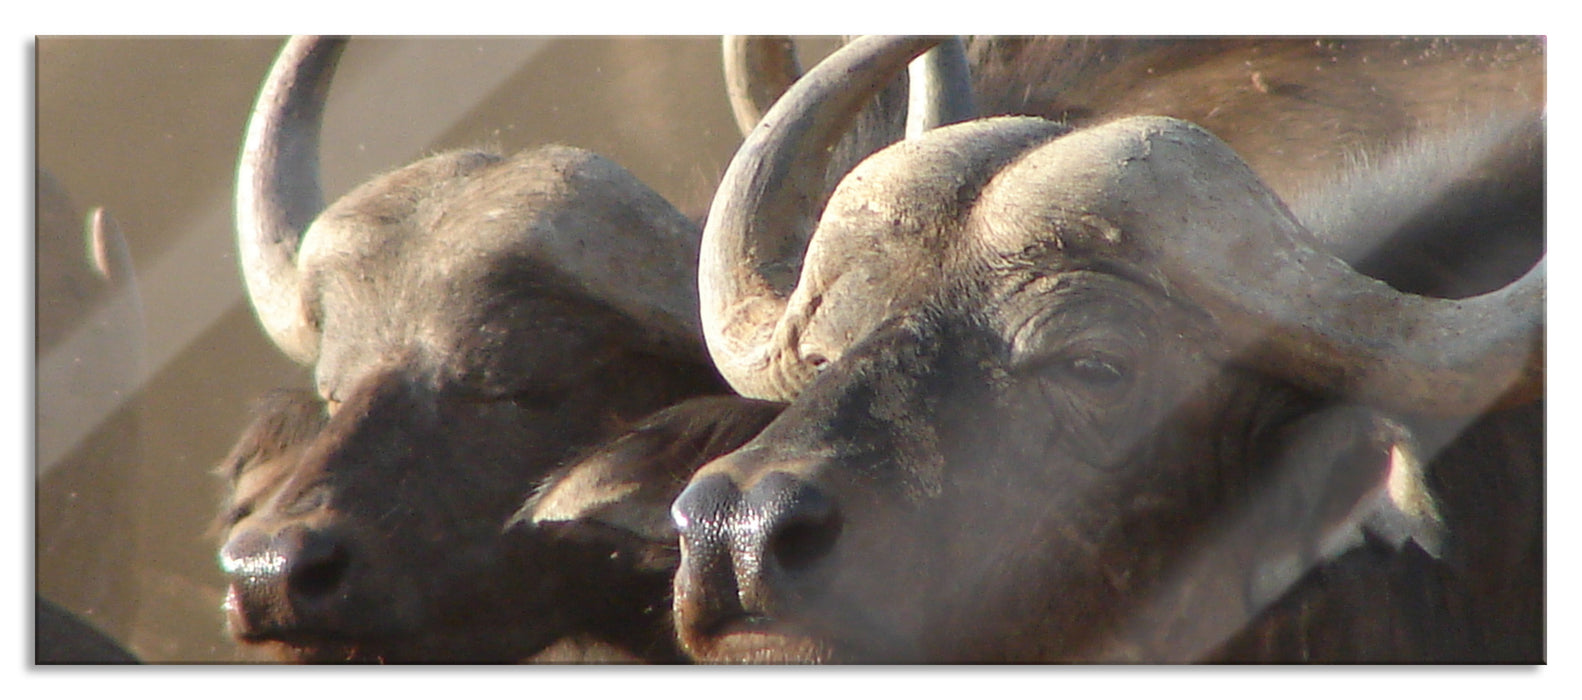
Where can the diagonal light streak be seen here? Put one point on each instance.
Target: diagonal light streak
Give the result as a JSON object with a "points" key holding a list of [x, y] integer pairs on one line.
{"points": [[82, 381]]}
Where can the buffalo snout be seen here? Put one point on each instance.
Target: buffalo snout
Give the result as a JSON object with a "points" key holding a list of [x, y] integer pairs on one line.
{"points": [[283, 580], [749, 552]]}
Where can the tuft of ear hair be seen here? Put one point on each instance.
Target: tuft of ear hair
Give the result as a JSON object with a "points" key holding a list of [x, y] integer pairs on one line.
{"points": [[628, 483], [1350, 473]]}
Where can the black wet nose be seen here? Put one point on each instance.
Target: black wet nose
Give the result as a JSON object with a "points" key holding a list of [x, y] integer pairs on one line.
{"points": [[780, 528], [703, 507], [278, 579], [795, 524]]}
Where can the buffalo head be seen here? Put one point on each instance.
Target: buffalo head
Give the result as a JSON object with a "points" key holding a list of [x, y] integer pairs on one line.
{"points": [[471, 321], [1057, 394]]}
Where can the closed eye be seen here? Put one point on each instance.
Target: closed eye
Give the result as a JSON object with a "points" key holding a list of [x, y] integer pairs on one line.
{"points": [[1089, 372], [1090, 400], [236, 514], [1095, 372], [309, 499]]}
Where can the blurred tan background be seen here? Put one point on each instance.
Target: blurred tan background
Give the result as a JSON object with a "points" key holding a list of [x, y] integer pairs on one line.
{"points": [[126, 431]]}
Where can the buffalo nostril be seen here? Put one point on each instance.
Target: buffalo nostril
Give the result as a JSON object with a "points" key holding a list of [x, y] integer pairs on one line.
{"points": [[799, 545], [317, 567], [800, 522]]}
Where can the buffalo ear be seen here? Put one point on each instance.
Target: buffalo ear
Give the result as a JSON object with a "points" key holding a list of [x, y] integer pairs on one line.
{"points": [[608, 488], [1338, 478], [628, 483], [1403, 508], [1349, 475]]}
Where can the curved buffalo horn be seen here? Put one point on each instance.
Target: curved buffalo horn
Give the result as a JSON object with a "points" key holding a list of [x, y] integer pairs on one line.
{"points": [[112, 260], [1170, 192], [277, 187], [1183, 199], [107, 247], [1325, 325], [768, 202], [759, 69]]}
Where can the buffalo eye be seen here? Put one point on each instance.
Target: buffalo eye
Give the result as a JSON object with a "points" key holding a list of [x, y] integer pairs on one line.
{"points": [[812, 356], [816, 360], [1096, 373], [310, 499], [1089, 394], [1091, 379], [238, 514]]}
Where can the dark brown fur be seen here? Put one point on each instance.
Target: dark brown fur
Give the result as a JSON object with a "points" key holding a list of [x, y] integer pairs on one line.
{"points": [[472, 320], [590, 588]]}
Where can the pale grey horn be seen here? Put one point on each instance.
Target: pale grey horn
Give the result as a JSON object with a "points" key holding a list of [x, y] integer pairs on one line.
{"points": [[1305, 314], [277, 188], [768, 203], [1180, 197], [940, 88], [758, 70]]}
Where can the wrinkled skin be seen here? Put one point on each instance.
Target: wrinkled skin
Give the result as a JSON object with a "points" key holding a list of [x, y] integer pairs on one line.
{"points": [[1103, 382], [1107, 487], [1022, 442]]}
